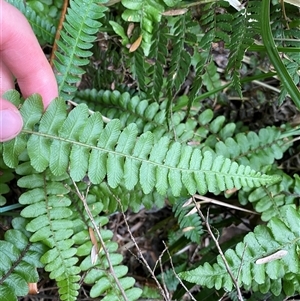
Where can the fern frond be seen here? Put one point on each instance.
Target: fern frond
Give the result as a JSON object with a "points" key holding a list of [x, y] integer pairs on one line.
{"points": [[138, 68], [94, 261], [133, 199], [268, 200], [42, 27], [158, 53], [121, 156], [80, 30], [98, 273], [245, 23], [48, 208], [180, 59], [6, 175], [211, 78], [266, 260], [190, 224], [255, 149], [148, 116], [19, 261]]}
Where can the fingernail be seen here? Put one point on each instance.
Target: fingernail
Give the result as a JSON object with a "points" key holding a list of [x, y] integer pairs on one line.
{"points": [[11, 124]]}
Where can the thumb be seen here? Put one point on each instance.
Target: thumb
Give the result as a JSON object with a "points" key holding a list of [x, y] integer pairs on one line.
{"points": [[11, 122]]}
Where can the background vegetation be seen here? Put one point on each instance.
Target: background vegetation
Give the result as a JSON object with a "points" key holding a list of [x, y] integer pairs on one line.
{"points": [[168, 167]]}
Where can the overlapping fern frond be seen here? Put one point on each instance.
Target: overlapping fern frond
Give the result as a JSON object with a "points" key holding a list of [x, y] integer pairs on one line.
{"points": [[189, 223], [120, 155], [48, 209], [19, 261], [269, 199], [266, 260], [81, 27], [246, 23]]}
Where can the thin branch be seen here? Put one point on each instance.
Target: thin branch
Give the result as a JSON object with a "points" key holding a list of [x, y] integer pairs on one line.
{"points": [[140, 254], [177, 277], [90, 215], [220, 250]]}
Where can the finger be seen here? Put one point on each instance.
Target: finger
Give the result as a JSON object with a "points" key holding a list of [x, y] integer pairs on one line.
{"points": [[11, 121], [22, 54]]}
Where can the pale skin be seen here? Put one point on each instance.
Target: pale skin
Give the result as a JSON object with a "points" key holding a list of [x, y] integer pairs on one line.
{"points": [[21, 57]]}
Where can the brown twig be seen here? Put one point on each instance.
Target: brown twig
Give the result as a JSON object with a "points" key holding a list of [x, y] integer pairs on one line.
{"points": [[219, 250], [59, 28], [140, 254], [89, 213], [177, 277]]}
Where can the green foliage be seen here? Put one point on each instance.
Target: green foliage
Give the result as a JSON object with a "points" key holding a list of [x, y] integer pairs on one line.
{"points": [[121, 156], [20, 259], [275, 275], [6, 175], [77, 38], [247, 21], [154, 139], [189, 223]]}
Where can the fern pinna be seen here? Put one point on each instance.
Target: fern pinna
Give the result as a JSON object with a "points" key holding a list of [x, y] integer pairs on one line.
{"points": [[266, 260]]}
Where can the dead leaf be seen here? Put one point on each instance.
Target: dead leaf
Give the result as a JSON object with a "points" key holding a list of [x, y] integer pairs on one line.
{"points": [[175, 12], [134, 46]]}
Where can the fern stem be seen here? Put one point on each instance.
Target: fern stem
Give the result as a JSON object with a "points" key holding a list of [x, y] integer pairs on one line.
{"points": [[281, 49], [235, 281], [274, 55], [57, 34]]}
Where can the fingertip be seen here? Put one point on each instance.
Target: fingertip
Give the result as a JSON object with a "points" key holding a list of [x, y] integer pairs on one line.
{"points": [[11, 121]]}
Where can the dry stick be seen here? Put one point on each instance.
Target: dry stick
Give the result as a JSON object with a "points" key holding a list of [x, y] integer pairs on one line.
{"points": [[162, 271], [177, 277], [162, 292], [59, 28], [220, 251], [89, 213]]}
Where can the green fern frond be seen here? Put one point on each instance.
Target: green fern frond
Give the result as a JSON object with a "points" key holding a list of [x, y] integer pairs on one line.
{"points": [[245, 23], [268, 200], [121, 156], [189, 223], [138, 68], [98, 273], [149, 116], [133, 199], [94, 261], [158, 54], [48, 208], [42, 27], [19, 261], [6, 175], [211, 78], [180, 60], [266, 260], [80, 30], [253, 149]]}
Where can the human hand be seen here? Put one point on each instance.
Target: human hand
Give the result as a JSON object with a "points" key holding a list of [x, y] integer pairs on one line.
{"points": [[22, 57]]}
